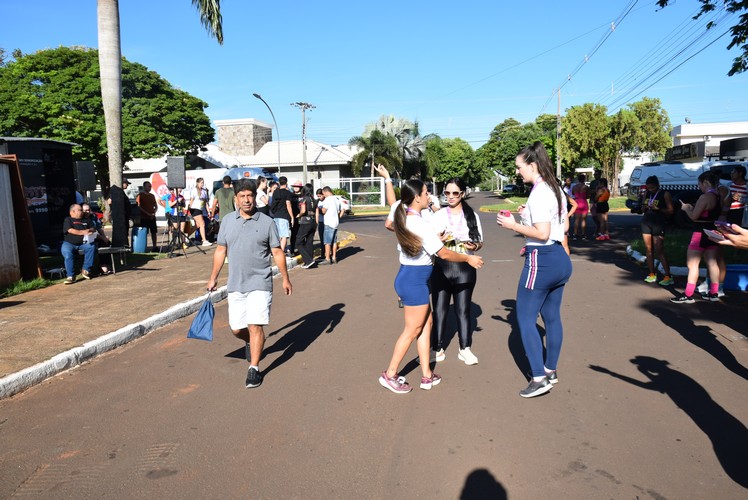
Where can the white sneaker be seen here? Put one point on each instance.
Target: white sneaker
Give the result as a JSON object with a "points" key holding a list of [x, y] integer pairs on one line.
{"points": [[703, 288], [206, 243], [435, 356], [467, 356]]}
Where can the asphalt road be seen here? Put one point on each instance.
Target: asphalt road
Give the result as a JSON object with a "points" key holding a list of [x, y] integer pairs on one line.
{"points": [[649, 404]]}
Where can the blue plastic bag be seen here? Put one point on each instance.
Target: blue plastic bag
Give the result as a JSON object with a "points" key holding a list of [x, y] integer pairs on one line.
{"points": [[202, 325]]}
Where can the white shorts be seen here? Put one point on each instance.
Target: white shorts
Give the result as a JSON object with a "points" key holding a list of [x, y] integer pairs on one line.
{"points": [[251, 308]]}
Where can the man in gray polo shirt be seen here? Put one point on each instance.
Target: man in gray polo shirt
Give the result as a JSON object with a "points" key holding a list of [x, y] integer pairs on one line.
{"points": [[249, 237]]}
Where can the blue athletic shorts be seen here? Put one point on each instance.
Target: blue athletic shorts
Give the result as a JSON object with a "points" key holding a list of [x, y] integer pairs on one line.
{"points": [[413, 285]]}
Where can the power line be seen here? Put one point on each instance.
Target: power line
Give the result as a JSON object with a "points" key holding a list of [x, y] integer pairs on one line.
{"points": [[586, 59]]}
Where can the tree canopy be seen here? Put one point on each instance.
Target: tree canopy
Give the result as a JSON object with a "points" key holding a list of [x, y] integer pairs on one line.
{"points": [[509, 137], [56, 94], [739, 31], [588, 132]]}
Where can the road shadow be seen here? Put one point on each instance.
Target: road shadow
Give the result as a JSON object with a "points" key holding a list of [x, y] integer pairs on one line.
{"points": [[348, 251], [451, 327], [304, 332], [728, 435], [514, 340], [481, 484], [702, 337]]}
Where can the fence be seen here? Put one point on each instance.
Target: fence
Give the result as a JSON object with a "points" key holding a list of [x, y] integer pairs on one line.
{"points": [[364, 191]]}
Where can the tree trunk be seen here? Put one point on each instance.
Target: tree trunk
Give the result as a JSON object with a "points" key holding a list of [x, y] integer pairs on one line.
{"points": [[110, 68], [110, 73]]}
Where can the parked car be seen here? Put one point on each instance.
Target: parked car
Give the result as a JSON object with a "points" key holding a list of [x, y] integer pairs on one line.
{"points": [[512, 189]]}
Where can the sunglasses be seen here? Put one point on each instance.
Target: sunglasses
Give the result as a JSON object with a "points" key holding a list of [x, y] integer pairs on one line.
{"points": [[454, 194]]}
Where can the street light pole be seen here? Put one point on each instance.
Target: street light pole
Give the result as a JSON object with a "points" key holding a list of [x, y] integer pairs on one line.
{"points": [[277, 132], [303, 106]]}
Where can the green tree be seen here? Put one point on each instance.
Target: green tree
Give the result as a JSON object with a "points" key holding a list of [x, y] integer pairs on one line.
{"points": [[584, 132], [56, 94], [655, 125], [505, 141], [457, 161], [110, 57], [739, 31], [410, 143], [376, 148]]}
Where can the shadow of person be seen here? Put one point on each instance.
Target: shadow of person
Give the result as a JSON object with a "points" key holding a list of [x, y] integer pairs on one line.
{"points": [[348, 251], [514, 340], [481, 484], [305, 331], [728, 435], [702, 337]]}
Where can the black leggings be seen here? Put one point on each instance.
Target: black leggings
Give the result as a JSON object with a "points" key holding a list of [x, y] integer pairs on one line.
{"points": [[448, 280], [305, 240]]}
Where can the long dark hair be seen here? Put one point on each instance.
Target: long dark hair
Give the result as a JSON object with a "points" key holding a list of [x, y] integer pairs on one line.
{"points": [[409, 242], [536, 154], [467, 210]]}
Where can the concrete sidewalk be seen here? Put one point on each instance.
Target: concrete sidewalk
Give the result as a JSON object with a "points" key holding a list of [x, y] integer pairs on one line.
{"points": [[47, 331]]}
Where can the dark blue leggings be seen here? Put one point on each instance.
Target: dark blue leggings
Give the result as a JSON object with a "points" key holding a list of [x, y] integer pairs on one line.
{"points": [[540, 290]]}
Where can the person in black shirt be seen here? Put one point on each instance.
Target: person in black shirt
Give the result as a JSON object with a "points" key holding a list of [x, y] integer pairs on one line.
{"points": [[79, 234], [282, 212]]}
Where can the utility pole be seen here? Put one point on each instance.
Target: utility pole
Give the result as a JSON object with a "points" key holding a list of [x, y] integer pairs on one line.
{"points": [[303, 106], [558, 135]]}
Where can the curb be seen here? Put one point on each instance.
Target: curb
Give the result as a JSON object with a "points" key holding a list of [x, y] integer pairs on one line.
{"points": [[28, 377]]}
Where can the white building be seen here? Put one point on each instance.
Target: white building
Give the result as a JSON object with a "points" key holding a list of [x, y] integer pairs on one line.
{"points": [[705, 138]]}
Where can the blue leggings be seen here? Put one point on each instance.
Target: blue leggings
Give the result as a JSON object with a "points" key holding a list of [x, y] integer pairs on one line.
{"points": [[540, 290]]}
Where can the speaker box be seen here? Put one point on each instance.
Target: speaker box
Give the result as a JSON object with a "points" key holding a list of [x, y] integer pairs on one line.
{"points": [[175, 172], [86, 175]]}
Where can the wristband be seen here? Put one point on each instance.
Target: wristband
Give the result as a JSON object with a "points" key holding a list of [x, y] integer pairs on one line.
{"points": [[388, 180]]}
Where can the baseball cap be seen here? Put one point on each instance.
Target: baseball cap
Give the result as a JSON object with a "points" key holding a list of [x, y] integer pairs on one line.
{"points": [[297, 183]]}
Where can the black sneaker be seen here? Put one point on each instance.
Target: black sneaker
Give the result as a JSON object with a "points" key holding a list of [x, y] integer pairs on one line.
{"points": [[254, 378], [682, 299], [711, 297], [552, 377], [536, 388]]}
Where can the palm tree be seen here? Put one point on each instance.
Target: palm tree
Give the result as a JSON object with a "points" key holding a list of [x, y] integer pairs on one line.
{"points": [[110, 67], [377, 147]]}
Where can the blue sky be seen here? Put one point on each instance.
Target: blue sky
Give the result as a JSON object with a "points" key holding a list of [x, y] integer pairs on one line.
{"points": [[459, 68]]}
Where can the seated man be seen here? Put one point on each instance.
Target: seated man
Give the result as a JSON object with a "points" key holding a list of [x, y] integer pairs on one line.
{"points": [[79, 234], [101, 239]]}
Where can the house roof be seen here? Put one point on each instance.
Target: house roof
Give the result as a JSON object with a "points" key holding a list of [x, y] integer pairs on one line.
{"points": [[317, 154], [291, 154]]}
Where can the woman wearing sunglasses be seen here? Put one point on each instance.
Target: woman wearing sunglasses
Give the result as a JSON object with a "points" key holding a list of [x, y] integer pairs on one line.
{"points": [[461, 232], [418, 243], [547, 266]]}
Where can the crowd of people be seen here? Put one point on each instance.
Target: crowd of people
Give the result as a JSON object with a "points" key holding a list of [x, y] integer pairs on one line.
{"points": [[588, 199]]}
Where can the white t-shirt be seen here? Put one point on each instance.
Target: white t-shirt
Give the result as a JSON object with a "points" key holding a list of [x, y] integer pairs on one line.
{"points": [[455, 224], [425, 213], [332, 215], [198, 198], [431, 243], [542, 207], [258, 198]]}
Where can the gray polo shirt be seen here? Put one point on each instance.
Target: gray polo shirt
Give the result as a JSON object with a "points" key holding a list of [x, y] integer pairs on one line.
{"points": [[248, 243]]}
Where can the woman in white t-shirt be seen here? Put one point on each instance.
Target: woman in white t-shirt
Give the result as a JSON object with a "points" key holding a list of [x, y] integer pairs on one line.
{"points": [[197, 201], [547, 266], [455, 281], [261, 200], [418, 245]]}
